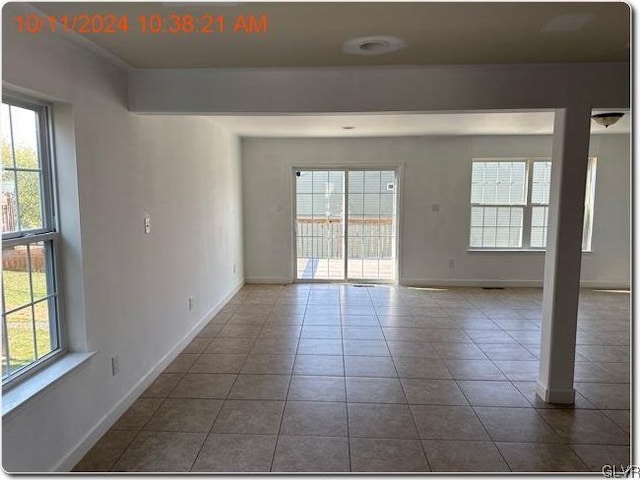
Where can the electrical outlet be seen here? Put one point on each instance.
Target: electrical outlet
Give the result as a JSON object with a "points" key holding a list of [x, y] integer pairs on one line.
{"points": [[191, 303], [115, 365], [147, 224], [452, 263]]}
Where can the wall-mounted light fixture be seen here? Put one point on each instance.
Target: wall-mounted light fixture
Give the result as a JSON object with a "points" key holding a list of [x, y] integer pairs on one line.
{"points": [[607, 119]]}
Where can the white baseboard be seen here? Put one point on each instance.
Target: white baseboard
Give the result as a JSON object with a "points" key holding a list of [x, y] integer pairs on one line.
{"points": [[566, 396], [106, 422], [605, 285], [421, 282], [281, 280]]}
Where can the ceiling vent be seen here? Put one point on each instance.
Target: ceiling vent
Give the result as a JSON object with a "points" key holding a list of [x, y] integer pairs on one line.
{"points": [[374, 45], [570, 22]]}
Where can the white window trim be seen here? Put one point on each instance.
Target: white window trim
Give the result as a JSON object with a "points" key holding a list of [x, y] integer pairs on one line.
{"points": [[55, 360], [33, 386], [526, 221]]}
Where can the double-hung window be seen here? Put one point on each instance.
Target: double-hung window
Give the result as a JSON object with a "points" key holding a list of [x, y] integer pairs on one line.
{"points": [[31, 333], [510, 203]]}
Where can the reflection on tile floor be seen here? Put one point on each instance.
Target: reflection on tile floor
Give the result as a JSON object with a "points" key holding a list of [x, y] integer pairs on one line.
{"points": [[338, 378]]}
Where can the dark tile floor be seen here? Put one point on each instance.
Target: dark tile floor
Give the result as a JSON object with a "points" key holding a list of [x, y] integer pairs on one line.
{"points": [[339, 378]]}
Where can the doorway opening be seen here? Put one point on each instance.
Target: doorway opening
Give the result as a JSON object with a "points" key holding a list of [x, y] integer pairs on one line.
{"points": [[346, 225]]}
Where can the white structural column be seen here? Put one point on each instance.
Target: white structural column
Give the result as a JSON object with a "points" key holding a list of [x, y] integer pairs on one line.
{"points": [[564, 251]]}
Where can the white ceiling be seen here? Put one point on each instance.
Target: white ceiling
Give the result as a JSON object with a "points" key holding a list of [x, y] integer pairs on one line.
{"points": [[311, 34], [387, 125]]}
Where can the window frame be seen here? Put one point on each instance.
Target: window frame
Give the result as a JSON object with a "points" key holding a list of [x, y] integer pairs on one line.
{"points": [[48, 234], [526, 235], [587, 240], [525, 215]]}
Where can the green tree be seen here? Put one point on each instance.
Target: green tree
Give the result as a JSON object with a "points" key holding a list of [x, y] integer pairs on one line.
{"points": [[28, 183]]}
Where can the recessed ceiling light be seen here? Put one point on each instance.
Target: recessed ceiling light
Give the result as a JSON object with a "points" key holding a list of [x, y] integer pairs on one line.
{"points": [[374, 45]]}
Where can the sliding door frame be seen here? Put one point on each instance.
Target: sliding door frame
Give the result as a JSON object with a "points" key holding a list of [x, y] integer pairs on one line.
{"points": [[294, 218], [399, 171]]}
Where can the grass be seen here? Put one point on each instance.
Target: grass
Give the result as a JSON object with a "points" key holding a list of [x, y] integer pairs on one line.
{"points": [[20, 325], [17, 291]]}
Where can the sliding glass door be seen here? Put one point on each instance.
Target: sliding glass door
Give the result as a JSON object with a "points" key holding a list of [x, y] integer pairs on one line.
{"points": [[357, 243], [371, 225], [320, 228]]}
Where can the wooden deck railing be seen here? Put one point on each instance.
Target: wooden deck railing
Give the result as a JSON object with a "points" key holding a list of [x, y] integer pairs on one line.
{"points": [[324, 237]]}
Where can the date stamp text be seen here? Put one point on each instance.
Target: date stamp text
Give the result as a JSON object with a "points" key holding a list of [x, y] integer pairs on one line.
{"points": [[154, 24]]}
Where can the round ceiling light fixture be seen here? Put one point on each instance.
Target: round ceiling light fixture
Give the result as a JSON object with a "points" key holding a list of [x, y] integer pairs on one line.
{"points": [[373, 45], [607, 119], [348, 127]]}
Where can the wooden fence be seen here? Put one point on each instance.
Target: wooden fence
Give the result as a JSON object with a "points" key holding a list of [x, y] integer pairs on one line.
{"points": [[16, 259]]}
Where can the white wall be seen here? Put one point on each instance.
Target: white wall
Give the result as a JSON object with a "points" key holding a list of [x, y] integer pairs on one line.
{"points": [[436, 170], [128, 292]]}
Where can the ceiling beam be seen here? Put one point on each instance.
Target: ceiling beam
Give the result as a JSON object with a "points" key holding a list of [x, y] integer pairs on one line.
{"points": [[364, 89]]}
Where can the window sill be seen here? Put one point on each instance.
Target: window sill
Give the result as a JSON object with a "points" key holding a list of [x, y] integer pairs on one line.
{"points": [[41, 381], [513, 250], [504, 250]]}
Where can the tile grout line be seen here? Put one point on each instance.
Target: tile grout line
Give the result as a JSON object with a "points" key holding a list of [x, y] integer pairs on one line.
{"points": [[226, 396], [415, 425], [221, 406], [346, 399], [153, 414], [491, 440], [284, 405], [164, 400], [469, 403], [110, 469], [472, 342]]}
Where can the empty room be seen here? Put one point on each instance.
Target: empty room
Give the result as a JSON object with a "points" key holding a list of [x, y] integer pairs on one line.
{"points": [[246, 237]]}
